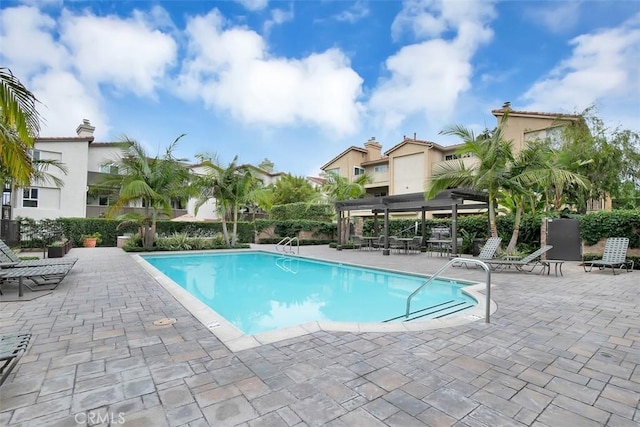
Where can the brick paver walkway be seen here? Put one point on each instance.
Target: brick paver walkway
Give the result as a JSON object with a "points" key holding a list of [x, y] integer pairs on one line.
{"points": [[559, 352]]}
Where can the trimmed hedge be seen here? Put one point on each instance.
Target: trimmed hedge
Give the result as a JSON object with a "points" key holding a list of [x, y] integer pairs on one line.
{"points": [[295, 211], [600, 225], [593, 228]]}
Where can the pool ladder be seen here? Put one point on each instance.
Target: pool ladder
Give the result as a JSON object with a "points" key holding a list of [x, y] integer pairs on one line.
{"points": [[453, 261], [286, 245]]}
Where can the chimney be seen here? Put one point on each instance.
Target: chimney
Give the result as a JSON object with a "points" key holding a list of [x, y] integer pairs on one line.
{"points": [[85, 129], [374, 150], [415, 136], [506, 105]]}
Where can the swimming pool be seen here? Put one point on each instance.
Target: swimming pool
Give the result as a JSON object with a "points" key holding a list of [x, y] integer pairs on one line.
{"points": [[259, 292]]}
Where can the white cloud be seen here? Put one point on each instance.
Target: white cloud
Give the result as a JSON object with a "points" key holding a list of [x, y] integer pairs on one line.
{"points": [[556, 16], [126, 53], [354, 13], [65, 63], [602, 69], [428, 77], [253, 5], [231, 69], [66, 102], [278, 17], [23, 27]]}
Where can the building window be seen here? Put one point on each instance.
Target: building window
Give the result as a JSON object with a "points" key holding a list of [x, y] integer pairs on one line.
{"points": [[450, 157], [30, 198], [381, 168], [358, 171], [109, 168], [103, 201], [34, 154]]}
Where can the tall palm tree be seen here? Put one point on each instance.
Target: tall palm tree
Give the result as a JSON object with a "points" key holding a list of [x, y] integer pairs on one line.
{"points": [[155, 181], [488, 171], [338, 188], [231, 188], [534, 171], [19, 125]]}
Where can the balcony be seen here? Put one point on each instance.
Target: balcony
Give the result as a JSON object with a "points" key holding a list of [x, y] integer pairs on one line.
{"points": [[378, 179]]}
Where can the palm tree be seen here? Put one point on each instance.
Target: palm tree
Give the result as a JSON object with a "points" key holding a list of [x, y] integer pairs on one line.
{"points": [[534, 171], [293, 189], [488, 171], [338, 188], [19, 124], [157, 182], [230, 187]]}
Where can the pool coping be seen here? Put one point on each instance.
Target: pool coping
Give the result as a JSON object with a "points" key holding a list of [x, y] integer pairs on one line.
{"points": [[236, 340]]}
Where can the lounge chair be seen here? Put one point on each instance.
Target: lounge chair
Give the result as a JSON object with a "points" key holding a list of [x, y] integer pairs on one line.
{"points": [[8, 258], [49, 276], [526, 264], [488, 251], [12, 347], [614, 256]]}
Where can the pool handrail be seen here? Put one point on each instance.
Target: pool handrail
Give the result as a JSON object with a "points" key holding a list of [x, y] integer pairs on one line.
{"points": [[288, 242], [484, 266]]}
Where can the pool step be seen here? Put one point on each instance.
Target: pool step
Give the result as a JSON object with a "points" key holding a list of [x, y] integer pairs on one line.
{"points": [[434, 312]]}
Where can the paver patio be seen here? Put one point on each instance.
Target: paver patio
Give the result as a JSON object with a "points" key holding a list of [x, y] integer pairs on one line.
{"points": [[559, 351]]}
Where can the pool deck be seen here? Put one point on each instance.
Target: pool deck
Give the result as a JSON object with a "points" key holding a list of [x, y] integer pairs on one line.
{"points": [[559, 351]]}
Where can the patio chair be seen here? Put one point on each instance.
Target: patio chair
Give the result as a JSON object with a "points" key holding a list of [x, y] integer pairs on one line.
{"points": [[526, 264], [415, 245], [8, 258], [357, 242], [45, 278], [378, 244], [12, 347], [395, 244], [488, 251], [614, 256]]}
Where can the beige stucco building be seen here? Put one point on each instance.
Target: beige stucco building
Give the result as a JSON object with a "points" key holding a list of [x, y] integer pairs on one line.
{"points": [[407, 166]]}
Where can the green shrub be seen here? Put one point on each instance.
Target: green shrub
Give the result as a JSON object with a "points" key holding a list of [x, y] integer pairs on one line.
{"points": [[297, 211], [600, 225]]}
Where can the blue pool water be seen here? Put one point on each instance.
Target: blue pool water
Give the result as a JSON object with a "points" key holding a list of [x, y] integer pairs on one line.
{"points": [[259, 291]]}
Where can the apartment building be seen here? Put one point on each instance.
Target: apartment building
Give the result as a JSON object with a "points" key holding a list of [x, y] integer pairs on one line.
{"points": [[406, 166], [86, 160]]}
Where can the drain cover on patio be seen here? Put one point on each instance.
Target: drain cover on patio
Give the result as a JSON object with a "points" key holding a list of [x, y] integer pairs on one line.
{"points": [[165, 321]]}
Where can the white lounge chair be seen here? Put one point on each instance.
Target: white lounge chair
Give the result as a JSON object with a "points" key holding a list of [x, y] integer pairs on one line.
{"points": [[488, 251], [526, 264], [614, 256]]}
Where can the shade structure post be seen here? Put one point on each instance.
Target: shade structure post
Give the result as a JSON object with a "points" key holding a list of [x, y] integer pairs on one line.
{"points": [[339, 244], [454, 229], [386, 250]]}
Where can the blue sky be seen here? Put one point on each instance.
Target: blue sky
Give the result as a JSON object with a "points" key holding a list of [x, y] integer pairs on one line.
{"points": [[298, 82]]}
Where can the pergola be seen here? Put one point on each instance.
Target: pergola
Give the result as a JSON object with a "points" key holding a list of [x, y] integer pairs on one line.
{"points": [[452, 199]]}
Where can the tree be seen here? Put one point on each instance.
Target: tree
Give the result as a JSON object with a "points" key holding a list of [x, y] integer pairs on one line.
{"points": [[533, 171], [157, 182], [230, 187], [293, 189], [19, 125], [338, 188], [607, 158], [488, 170]]}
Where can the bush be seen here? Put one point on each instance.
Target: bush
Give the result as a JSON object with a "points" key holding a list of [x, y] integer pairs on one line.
{"points": [[600, 225], [297, 211]]}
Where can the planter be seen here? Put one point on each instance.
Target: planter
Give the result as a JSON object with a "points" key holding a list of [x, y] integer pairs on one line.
{"points": [[66, 246], [90, 242], [55, 251]]}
